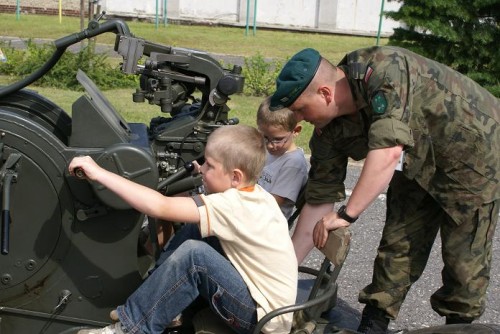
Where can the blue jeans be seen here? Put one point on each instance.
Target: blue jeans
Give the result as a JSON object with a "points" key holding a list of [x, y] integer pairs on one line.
{"points": [[189, 267]]}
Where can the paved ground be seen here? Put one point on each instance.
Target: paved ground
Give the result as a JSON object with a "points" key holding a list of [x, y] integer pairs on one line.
{"points": [[356, 274]]}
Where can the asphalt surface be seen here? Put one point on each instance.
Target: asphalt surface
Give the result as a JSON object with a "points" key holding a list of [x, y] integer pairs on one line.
{"points": [[356, 273]]}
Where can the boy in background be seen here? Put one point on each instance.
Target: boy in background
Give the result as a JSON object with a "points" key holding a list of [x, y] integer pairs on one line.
{"points": [[285, 171], [234, 251]]}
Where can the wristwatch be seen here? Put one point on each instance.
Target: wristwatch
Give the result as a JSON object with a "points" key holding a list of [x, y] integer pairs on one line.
{"points": [[342, 214]]}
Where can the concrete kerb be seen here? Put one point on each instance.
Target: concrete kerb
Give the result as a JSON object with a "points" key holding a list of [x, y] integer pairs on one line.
{"points": [[21, 43]]}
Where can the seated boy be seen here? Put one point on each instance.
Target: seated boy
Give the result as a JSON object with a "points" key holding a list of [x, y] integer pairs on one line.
{"points": [[250, 271], [285, 171]]}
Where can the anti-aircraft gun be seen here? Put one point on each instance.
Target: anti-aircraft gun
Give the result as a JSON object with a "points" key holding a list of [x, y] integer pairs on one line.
{"points": [[69, 247]]}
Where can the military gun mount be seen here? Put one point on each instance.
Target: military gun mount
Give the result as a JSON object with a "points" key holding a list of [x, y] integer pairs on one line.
{"points": [[69, 249]]}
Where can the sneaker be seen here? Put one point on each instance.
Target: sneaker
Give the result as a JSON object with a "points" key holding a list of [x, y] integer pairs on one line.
{"points": [[111, 329], [114, 316], [373, 321], [177, 322]]}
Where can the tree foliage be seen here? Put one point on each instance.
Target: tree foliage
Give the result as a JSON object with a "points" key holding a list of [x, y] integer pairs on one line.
{"points": [[464, 34]]}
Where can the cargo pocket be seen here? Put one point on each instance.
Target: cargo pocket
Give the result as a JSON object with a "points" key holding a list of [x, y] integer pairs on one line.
{"points": [[419, 160], [228, 308], [465, 161]]}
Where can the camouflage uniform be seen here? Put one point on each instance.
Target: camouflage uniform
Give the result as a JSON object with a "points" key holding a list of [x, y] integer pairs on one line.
{"points": [[450, 130]]}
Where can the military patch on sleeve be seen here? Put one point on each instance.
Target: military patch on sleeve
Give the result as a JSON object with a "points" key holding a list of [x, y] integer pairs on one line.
{"points": [[379, 103], [368, 73]]}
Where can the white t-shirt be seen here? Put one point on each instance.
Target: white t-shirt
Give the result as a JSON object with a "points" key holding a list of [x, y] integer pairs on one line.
{"points": [[284, 176], [254, 235]]}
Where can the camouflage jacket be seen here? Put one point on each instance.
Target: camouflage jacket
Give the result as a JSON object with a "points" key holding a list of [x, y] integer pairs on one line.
{"points": [[448, 124]]}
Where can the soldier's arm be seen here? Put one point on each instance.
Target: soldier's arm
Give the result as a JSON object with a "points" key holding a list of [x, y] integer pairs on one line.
{"points": [[376, 174]]}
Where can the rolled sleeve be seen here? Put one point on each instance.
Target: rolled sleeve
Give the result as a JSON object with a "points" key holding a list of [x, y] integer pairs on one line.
{"points": [[389, 132], [321, 192], [327, 173]]}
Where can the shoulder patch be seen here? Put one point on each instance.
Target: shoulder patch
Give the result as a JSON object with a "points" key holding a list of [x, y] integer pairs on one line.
{"points": [[368, 73], [379, 103]]}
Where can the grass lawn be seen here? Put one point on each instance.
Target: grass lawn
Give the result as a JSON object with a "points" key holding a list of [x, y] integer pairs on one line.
{"points": [[216, 39]]}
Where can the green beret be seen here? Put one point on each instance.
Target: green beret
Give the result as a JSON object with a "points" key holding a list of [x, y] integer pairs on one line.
{"points": [[294, 78]]}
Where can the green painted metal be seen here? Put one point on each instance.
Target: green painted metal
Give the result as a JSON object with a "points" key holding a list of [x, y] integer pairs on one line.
{"points": [[156, 15], [164, 13], [18, 9], [380, 21], [254, 18]]}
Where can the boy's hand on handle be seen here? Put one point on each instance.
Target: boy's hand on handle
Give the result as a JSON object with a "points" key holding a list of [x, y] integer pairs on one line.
{"points": [[196, 167], [79, 173], [326, 224], [84, 167]]}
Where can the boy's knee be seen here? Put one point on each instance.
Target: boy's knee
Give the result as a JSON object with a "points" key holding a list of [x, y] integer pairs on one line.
{"points": [[191, 246], [195, 250]]}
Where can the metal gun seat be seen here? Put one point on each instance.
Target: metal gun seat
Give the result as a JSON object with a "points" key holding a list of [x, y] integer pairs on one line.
{"points": [[307, 315]]}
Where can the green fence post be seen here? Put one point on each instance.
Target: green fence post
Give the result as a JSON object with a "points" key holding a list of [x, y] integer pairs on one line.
{"points": [[255, 17], [18, 10], [164, 13], [380, 22], [156, 16], [246, 25]]}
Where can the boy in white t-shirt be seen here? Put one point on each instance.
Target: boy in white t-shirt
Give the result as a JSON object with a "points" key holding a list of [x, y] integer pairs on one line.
{"points": [[285, 171], [234, 251]]}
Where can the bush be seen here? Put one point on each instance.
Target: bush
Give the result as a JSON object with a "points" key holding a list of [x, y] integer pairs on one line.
{"points": [[460, 33], [487, 80], [21, 63], [260, 75]]}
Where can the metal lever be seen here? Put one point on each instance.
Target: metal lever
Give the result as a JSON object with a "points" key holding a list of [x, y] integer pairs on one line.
{"points": [[101, 15], [63, 300], [8, 175]]}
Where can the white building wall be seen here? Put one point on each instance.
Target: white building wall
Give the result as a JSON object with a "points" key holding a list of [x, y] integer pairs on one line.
{"points": [[342, 16], [213, 10], [129, 8], [289, 13], [364, 15]]}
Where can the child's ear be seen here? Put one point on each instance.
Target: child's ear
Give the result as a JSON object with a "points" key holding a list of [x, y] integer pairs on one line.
{"points": [[238, 178], [297, 129]]}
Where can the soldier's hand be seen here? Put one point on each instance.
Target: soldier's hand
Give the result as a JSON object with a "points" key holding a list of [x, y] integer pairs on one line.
{"points": [[326, 224]]}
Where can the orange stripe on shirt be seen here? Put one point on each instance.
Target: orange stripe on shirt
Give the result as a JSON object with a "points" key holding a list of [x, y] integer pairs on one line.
{"points": [[208, 217]]}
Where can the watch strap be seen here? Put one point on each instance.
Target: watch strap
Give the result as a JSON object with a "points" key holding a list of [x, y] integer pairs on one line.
{"points": [[342, 214]]}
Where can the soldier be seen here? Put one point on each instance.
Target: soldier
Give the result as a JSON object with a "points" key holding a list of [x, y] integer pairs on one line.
{"points": [[429, 133]]}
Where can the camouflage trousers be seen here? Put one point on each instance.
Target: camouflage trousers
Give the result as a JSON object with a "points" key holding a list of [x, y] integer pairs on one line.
{"points": [[412, 223]]}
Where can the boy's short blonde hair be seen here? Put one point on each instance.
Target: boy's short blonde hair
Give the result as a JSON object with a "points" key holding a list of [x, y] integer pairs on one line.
{"points": [[239, 147], [284, 117]]}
